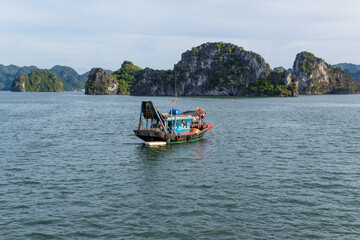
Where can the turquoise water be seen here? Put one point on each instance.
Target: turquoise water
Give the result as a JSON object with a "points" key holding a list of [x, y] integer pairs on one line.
{"points": [[271, 168]]}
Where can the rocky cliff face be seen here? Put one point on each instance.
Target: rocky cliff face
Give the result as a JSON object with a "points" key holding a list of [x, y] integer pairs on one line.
{"points": [[215, 69], [101, 82], [211, 69], [150, 82], [317, 77], [18, 84], [37, 81]]}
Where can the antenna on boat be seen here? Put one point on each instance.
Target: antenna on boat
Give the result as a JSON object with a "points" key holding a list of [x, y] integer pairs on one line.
{"points": [[177, 103]]}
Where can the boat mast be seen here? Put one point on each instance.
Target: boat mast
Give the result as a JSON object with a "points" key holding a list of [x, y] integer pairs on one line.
{"points": [[177, 103]]}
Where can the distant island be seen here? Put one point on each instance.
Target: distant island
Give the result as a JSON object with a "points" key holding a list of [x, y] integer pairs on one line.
{"points": [[351, 69], [39, 80], [211, 69], [9, 73], [71, 79]]}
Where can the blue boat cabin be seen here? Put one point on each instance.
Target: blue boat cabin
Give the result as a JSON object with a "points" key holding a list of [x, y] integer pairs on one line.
{"points": [[179, 124]]}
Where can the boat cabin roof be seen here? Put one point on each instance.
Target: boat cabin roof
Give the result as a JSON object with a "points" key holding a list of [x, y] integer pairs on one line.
{"points": [[184, 114], [149, 111]]}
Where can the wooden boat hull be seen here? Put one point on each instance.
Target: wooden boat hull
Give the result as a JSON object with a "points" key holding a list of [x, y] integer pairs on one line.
{"points": [[152, 135]]}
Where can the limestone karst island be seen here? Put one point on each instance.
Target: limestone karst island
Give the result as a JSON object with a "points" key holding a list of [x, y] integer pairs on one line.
{"points": [[211, 69], [37, 81]]}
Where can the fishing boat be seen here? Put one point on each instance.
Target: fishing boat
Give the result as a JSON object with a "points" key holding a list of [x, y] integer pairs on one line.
{"points": [[172, 127]]}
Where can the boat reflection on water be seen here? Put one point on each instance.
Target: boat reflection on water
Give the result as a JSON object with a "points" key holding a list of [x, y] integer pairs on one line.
{"points": [[170, 153]]}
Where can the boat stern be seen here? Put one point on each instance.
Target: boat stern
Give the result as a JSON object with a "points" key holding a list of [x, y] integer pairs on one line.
{"points": [[149, 135]]}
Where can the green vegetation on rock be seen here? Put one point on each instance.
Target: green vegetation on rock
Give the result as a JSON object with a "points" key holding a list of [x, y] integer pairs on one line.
{"points": [[309, 64], [125, 76], [266, 87], [220, 45], [275, 85]]}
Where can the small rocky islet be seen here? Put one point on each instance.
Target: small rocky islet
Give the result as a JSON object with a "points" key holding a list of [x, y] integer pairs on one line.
{"points": [[318, 77], [211, 69]]}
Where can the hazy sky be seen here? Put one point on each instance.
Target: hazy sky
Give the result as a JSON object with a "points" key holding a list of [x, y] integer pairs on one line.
{"points": [[154, 33]]}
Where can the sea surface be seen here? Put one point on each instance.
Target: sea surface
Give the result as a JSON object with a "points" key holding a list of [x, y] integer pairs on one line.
{"points": [[271, 168]]}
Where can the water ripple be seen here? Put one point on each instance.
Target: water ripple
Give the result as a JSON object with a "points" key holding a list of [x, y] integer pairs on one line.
{"points": [[272, 168]]}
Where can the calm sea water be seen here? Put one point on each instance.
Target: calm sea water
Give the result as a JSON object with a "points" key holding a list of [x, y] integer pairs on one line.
{"points": [[271, 168]]}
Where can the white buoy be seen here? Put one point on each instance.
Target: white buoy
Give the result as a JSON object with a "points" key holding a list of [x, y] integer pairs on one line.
{"points": [[158, 143]]}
